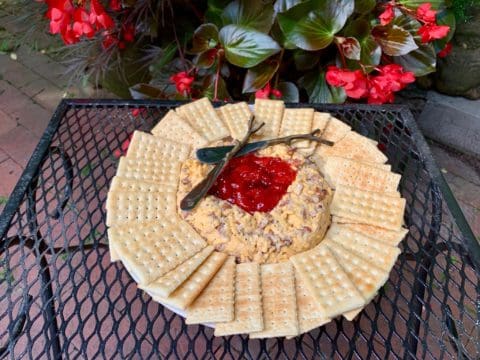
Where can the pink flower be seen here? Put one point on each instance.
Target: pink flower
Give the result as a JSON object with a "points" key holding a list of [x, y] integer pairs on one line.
{"points": [[425, 14], [183, 82], [387, 15], [445, 51], [430, 32], [267, 92]]}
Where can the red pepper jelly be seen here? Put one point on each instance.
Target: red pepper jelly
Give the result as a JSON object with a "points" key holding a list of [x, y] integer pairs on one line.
{"points": [[254, 183]]}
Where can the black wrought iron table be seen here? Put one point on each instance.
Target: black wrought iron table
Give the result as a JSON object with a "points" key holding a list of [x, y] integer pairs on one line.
{"points": [[60, 297]]}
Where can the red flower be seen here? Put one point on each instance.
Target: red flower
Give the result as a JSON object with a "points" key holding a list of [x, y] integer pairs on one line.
{"points": [[109, 40], [123, 147], [99, 17], [378, 89], [387, 15], [81, 23], [183, 82], [430, 32], [128, 32], [425, 14], [116, 5], [267, 91], [354, 82], [445, 51], [60, 15]]}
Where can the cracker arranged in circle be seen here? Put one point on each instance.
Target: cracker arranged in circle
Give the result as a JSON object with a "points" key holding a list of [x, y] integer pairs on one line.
{"points": [[271, 113], [368, 207], [236, 116], [166, 284], [145, 146], [149, 251], [341, 171], [374, 251], [390, 237], [297, 121], [123, 207], [333, 129], [202, 117], [175, 128], [310, 315], [366, 277], [163, 170], [248, 302], [186, 293], [329, 285], [216, 303], [120, 184], [354, 146], [279, 301]]}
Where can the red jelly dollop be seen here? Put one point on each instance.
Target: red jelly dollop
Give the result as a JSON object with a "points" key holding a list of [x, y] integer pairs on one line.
{"points": [[254, 183]]}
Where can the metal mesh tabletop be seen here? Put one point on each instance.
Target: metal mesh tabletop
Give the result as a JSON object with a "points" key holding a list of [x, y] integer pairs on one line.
{"points": [[61, 297]]}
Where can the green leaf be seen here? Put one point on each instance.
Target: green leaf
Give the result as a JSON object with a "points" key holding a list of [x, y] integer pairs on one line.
{"points": [[289, 92], [249, 13], [214, 11], [409, 24], [319, 91], [146, 91], [446, 17], [350, 47], [204, 38], [394, 40], [313, 24], [206, 59], [209, 88], [246, 47], [284, 5], [3, 200], [414, 4], [85, 171], [364, 6], [370, 51], [305, 60], [258, 76], [421, 61]]}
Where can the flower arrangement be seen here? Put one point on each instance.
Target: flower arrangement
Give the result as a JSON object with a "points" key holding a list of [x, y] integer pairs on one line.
{"points": [[316, 50]]}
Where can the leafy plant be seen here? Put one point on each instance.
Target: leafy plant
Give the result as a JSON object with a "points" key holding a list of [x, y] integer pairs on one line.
{"points": [[302, 50]]}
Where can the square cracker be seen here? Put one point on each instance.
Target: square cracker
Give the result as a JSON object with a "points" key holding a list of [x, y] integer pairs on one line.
{"points": [[173, 127], [123, 207], [366, 277], [341, 171], [373, 251], [279, 301], [329, 285], [161, 170], [332, 129], [350, 315], [146, 146], [150, 251], [248, 302], [216, 303], [120, 184], [310, 315], [390, 237], [270, 112], [354, 146], [166, 284], [113, 253], [368, 207], [297, 121], [202, 117], [193, 286], [236, 116]]}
